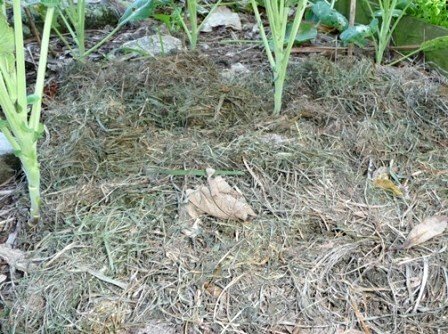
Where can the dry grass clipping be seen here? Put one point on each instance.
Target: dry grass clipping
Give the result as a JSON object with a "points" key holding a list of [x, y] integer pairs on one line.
{"points": [[317, 259]]}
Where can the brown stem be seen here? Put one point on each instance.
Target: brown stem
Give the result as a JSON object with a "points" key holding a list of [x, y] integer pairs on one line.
{"points": [[32, 24]]}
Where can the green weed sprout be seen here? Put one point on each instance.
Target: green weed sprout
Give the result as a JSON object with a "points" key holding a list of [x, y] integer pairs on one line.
{"points": [[22, 126], [195, 29], [73, 16], [389, 12], [277, 13]]}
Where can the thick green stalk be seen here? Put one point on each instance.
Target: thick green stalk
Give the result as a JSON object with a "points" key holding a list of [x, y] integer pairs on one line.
{"points": [[193, 15], [40, 79], [30, 165], [80, 28], [277, 14], [20, 58]]}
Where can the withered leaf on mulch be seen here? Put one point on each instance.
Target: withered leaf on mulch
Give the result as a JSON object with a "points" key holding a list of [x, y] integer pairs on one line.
{"points": [[217, 199], [429, 228]]}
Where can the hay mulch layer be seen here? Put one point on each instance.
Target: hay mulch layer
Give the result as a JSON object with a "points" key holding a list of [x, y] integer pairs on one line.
{"points": [[124, 142]]}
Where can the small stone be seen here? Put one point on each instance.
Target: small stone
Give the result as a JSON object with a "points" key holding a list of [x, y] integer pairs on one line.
{"points": [[235, 70], [153, 45], [222, 16]]}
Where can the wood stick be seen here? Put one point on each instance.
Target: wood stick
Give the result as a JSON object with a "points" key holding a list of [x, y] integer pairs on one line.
{"points": [[320, 49], [352, 23]]}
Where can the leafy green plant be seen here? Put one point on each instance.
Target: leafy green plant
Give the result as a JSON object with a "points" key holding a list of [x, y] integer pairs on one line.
{"points": [[190, 23], [22, 126], [73, 16], [358, 34], [277, 13], [390, 14], [326, 15], [431, 11]]}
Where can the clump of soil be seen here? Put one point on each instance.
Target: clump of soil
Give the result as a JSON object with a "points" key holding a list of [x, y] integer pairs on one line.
{"points": [[125, 140]]}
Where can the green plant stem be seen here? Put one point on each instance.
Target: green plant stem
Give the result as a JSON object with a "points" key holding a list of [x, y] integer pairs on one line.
{"points": [[277, 13], [80, 28], [40, 79], [21, 131], [104, 40], [195, 29], [20, 58], [386, 29], [29, 153], [193, 15]]}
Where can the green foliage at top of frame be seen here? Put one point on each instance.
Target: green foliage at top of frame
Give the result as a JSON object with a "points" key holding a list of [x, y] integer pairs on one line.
{"points": [[431, 11], [140, 10], [329, 16]]}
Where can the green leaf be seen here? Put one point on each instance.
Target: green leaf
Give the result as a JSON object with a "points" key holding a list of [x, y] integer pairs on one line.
{"points": [[403, 4], [358, 34], [307, 32], [329, 16], [139, 10], [435, 44], [6, 37]]}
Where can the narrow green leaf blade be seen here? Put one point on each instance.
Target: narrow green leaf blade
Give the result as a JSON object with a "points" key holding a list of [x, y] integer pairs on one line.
{"points": [[435, 44]]}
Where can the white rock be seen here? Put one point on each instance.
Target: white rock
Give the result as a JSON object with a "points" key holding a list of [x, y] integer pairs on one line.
{"points": [[153, 45], [235, 70], [222, 16], [5, 145]]}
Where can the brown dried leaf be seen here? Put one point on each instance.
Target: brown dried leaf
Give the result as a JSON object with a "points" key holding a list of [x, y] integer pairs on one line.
{"points": [[15, 258], [388, 185], [219, 200], [426, 230]]}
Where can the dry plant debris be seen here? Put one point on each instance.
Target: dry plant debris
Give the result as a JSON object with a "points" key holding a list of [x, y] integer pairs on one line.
{"points": [[315, 260], [428, 229], [217, 199], [15, 258]]}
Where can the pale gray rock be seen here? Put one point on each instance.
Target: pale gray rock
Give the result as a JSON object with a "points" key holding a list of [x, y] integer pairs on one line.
{"points": [[235, 70], [222, 16], [153, 45]]}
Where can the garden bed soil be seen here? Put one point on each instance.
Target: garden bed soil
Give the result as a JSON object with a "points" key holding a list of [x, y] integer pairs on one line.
{"points": [[123, 143]]}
